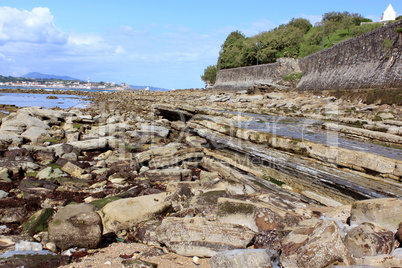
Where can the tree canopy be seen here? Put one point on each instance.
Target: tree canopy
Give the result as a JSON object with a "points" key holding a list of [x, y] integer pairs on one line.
{"points": [[296, 39]]}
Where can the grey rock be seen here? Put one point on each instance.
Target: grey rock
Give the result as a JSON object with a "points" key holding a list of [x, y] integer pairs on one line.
{"points": [[34, 133], [3, 194], [251, 258], [76, 226], [125, 213]]}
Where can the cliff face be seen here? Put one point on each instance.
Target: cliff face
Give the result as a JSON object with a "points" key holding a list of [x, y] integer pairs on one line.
{"points": [[372, 60]]}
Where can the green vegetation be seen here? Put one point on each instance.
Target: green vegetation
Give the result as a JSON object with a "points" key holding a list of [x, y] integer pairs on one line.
{"points": [[296, 39], [77, 126], [209, 75], [399, 30], [226, 208], [293, 76]]}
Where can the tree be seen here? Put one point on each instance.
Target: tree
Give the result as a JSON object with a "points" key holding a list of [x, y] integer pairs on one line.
{"points": [[301, 23], [230, 56], [209, 75]]}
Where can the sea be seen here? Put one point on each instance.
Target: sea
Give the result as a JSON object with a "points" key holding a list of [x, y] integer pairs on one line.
{"points": [[32, 99]]}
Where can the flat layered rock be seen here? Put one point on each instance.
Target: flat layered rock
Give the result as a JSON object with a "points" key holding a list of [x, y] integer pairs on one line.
{"points": [[199, 237]]}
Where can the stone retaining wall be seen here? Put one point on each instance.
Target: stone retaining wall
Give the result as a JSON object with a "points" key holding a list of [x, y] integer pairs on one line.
{"points": [[372, 60]]}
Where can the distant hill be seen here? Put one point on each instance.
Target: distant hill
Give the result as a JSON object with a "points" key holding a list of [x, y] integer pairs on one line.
{"points": [[36, 75], [150, 88]]}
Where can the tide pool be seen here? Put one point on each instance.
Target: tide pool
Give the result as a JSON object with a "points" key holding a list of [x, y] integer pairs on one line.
{"points": [[30, 99]]}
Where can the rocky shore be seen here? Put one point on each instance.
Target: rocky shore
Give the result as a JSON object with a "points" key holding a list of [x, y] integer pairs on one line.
{"points": [[193, 178]]}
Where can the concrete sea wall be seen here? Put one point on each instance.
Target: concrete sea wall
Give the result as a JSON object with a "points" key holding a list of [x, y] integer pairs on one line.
{"points": [[245, 77], [372, 60]]}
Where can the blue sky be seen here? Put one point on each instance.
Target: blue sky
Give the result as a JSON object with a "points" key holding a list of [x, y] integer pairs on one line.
{"points": [[165, 44]]}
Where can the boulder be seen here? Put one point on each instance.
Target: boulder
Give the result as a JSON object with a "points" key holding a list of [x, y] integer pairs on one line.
{"points": [[367, 239], [384, 212], [239, 258], [76, 225], [199, 237], [87, 145], [125, 213], [4, 175], [314, 243], [72, 169], [34, 133]]}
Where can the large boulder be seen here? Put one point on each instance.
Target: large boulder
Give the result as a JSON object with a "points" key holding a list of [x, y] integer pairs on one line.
{"points": [[239, 258], [125, 213], [384, 212], [199, 237], [368, 239], [314, 243], [76, 225]]}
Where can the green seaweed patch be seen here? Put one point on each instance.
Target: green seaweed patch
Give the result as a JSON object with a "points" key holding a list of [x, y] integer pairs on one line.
{"points": [[38, 222], [99, 204], [227, 207], [54, 166], [51, 140], [77, 126]]}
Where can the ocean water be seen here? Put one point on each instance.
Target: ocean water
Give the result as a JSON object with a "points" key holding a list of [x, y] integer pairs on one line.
{"points": [[28, 100]]}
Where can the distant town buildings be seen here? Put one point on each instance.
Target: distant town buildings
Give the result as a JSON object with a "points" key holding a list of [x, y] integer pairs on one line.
{"points": [[68, 84]]}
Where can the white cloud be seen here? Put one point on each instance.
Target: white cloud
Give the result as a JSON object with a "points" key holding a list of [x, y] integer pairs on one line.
{"points": [[312, 18], [34, 26]]}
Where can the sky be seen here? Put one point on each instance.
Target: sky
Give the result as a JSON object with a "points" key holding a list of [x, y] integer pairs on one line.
{"points": [[165, 44]]}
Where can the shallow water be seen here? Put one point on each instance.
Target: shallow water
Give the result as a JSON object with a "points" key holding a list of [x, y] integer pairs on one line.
{"points": [[311, 130], [30, 99]]}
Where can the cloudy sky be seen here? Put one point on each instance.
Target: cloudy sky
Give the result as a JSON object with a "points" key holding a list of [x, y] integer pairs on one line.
{"points": [[165, 44]]}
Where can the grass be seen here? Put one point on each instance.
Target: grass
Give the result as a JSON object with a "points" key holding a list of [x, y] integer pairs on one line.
{"points": [[293, 76]]}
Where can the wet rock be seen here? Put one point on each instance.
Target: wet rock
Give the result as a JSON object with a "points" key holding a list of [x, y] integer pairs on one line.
{"points": [[38, 222], [76, 226], [240, 258], [125, 213], [384, 212], [367, 239], [33, 259], [199, 237], [314, 243]]}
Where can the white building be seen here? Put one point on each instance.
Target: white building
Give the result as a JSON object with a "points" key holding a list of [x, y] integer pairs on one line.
{"points": [[389, 14]]}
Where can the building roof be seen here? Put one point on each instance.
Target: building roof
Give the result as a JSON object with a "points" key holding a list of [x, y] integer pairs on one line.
{"points": [[389, 14]]}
